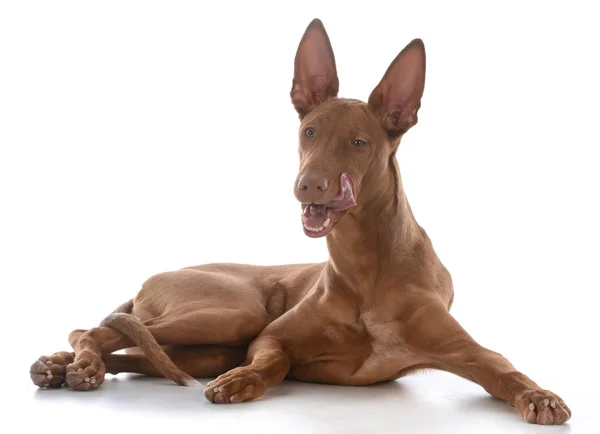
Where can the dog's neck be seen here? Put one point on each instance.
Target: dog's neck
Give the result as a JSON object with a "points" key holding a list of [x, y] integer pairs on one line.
{"points": [[376, 238]]}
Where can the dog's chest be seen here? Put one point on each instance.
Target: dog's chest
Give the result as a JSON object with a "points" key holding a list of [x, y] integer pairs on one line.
{"points": [[359, 351], [387, 355]]}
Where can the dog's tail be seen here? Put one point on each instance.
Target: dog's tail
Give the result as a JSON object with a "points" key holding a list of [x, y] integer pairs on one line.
{"points": [[122, 320]]}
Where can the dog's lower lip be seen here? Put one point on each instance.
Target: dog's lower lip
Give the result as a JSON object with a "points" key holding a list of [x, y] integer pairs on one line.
{"points": [[319, 228]]}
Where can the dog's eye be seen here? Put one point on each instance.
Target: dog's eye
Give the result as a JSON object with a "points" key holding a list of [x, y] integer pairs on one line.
{"points": [[309, 132], [357, 142]]}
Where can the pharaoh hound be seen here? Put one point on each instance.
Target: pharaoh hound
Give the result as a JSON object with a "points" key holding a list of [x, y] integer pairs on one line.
{"points": [[376, 310]]}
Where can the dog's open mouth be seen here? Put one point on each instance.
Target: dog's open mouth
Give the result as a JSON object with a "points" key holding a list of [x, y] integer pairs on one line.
{"points": [[318, 219]]}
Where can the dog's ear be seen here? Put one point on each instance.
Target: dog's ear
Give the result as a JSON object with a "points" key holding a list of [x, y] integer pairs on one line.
{"points": [[397, 97], [315, 75]]}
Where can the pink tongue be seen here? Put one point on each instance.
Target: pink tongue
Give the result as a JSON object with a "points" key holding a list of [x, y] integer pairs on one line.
{"points": [[345, 199]]}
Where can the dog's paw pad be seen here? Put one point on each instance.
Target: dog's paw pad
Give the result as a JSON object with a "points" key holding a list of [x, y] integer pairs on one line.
{"points": [[86, 373], [542, 407], [50, 371]]}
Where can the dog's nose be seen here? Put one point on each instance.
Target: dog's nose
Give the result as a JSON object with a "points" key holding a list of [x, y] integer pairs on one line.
{"points": [[311, 183], [311, 187]]}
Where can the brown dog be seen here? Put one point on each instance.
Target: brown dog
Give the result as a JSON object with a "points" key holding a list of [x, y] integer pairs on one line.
{"points": [[375, 311]]}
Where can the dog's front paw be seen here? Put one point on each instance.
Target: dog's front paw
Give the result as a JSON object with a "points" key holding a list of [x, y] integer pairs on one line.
{"points": [[542, 407], [86, 372], [237, 385], [50, 371]]}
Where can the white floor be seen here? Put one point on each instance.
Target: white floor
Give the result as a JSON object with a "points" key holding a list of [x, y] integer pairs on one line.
{"points": [[425, 403]]}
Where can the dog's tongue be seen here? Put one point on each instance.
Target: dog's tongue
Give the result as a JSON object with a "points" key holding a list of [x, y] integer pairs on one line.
{"points": [[345, 199]]}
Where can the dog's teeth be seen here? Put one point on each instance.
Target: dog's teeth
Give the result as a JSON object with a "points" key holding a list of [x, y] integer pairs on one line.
{"points": [[311, 229], [326, 223]]}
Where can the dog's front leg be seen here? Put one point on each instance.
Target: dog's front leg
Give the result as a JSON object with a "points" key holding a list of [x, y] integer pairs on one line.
{"points": [[434, 333], [266, 365]]}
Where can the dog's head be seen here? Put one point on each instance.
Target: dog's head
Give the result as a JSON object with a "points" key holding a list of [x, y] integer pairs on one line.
{"points": [[347, 146]]}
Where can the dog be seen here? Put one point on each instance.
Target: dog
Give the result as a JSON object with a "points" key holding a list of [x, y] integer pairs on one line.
{"points": [[377, 310]]}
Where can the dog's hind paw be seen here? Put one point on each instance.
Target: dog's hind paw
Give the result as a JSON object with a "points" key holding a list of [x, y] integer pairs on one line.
{"points": [[50, 371], [86, 372]]}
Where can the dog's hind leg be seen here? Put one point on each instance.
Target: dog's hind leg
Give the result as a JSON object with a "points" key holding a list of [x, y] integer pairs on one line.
{"points": [[197, 361], [82, 369], [122, 330], [51, 371], [225, 326], [87, 370]]}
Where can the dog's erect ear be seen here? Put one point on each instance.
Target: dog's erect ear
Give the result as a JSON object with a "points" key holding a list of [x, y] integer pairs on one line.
{"points": [[397, 97], [315, 76]]}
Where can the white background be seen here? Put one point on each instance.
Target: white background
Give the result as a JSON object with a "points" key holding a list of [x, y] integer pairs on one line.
{"points": [[139, 137]]}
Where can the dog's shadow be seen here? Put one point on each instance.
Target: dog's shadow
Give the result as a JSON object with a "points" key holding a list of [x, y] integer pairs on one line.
{"points": [[402, 402]]}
